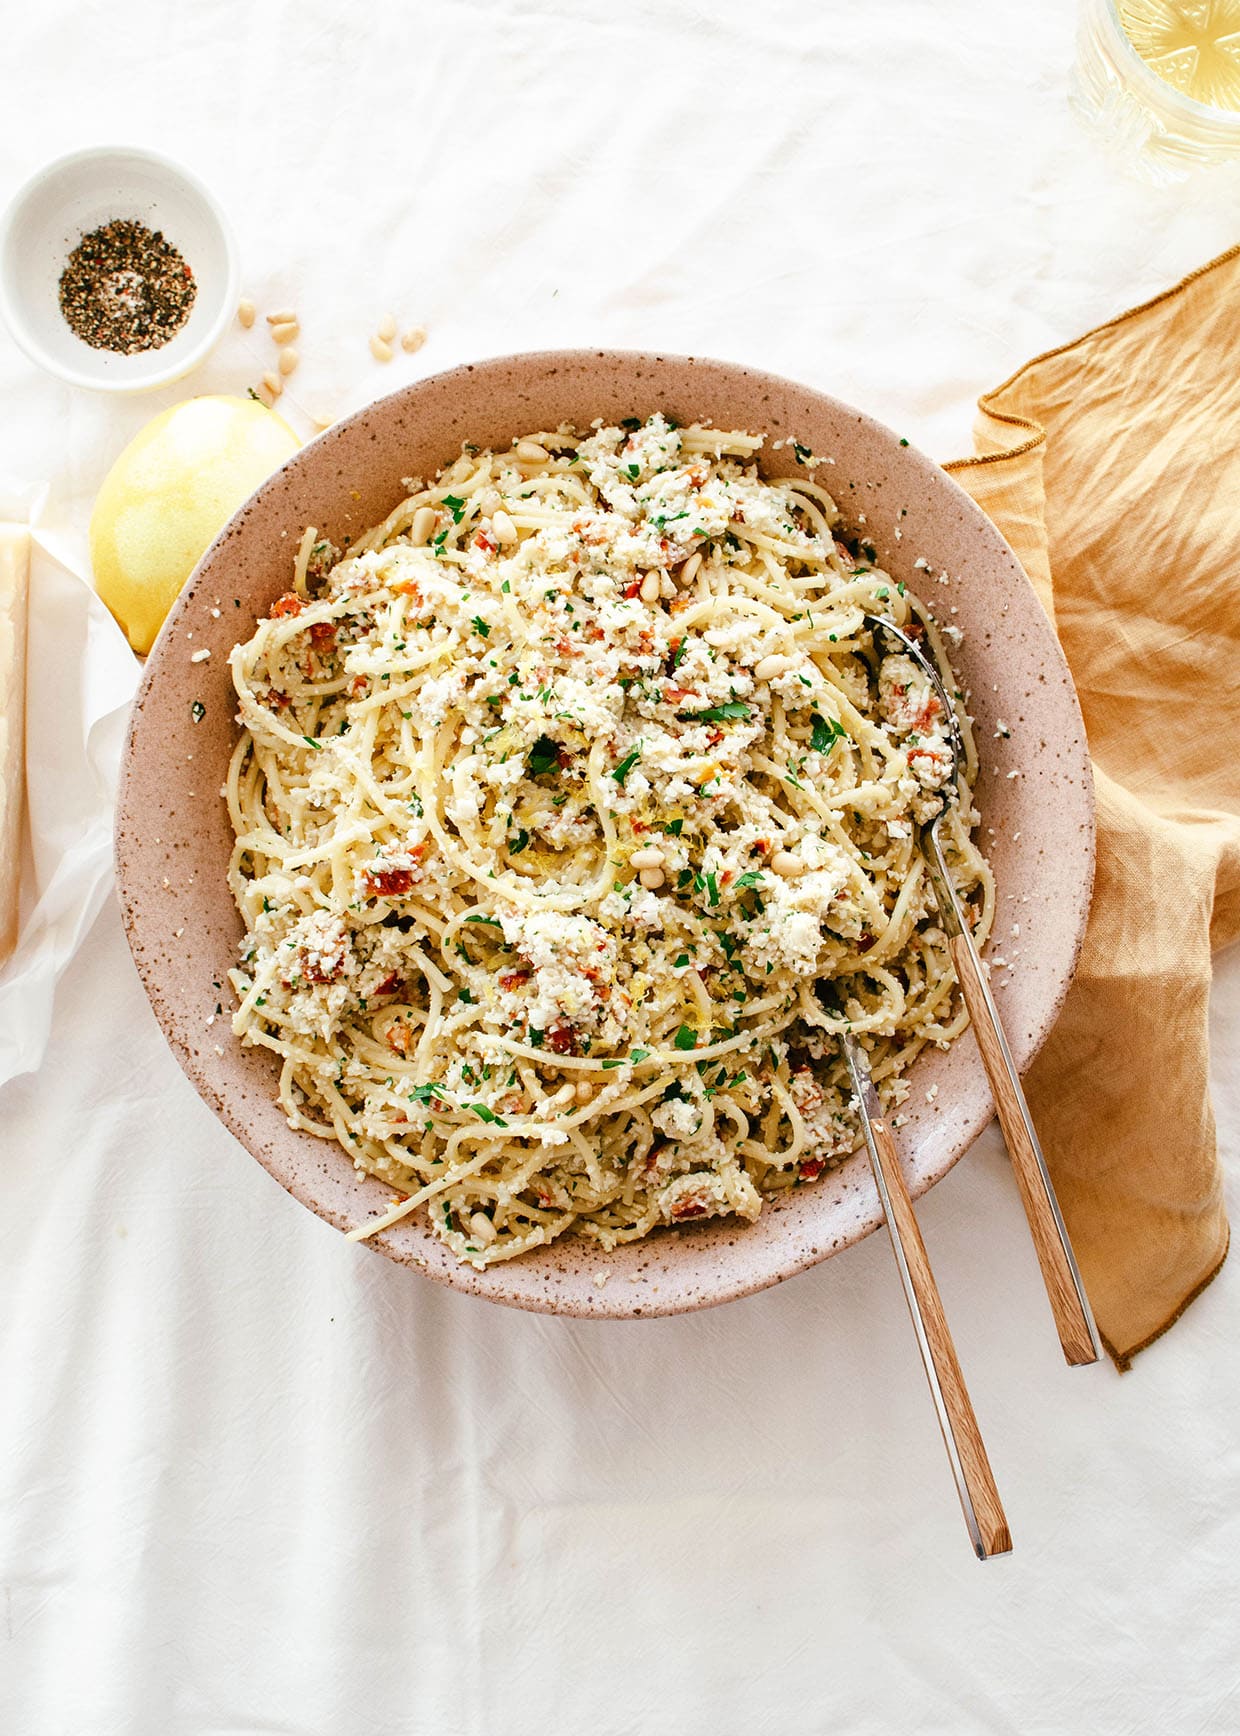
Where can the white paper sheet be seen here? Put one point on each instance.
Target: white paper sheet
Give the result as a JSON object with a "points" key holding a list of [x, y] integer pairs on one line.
{"points": [[254, 1479]]}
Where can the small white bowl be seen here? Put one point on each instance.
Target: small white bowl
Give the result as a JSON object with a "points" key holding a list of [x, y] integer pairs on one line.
{"points": [[79, 193]]}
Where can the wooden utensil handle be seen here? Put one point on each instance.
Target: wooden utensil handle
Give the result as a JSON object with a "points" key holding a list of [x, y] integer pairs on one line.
{"points": [[961, 1435], [1073, 1319]]}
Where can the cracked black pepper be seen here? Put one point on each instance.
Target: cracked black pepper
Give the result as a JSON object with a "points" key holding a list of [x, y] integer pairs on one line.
{"points": [[126, 288]]}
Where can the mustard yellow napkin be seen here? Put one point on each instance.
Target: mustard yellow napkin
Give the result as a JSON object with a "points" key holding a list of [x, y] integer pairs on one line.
{"points": [[1112, 466]]}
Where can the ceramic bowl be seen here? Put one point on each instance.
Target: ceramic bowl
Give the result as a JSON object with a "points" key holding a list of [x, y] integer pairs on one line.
{"points": [[79, 193], [173, 835]]}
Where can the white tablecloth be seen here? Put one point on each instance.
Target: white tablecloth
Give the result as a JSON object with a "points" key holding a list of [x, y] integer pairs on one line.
{"points": [[255, 1479]]}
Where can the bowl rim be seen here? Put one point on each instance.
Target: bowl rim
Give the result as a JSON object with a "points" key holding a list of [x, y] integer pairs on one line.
{"points": [[744, 1280], [12, 308]]}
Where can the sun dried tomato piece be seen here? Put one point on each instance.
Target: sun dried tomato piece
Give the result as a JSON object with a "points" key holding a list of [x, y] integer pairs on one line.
{"points": [[387, 882]]}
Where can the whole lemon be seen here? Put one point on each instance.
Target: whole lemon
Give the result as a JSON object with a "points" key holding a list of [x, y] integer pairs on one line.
{"points": [[167, 497]]}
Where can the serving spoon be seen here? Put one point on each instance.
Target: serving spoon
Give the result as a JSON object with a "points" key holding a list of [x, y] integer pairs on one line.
{"points": [[1074, 1319], [966, 1451]]}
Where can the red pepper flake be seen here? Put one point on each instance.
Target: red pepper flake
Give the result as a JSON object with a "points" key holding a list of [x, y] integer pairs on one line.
{"points": [[289, 604], [323, 633], [811, 1168]]}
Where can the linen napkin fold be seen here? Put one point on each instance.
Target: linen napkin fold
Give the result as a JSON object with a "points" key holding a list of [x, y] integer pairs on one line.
{"points": [[1112, 466], [81, 676]]}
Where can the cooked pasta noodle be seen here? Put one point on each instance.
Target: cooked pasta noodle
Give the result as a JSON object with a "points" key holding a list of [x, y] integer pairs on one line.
{"points": [[556, 801]]}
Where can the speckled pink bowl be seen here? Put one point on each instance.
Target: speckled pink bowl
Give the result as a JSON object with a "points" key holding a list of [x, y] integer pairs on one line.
{"points": [[173, 837]]}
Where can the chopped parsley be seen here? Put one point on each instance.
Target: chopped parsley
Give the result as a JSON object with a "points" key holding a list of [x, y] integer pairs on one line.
{"points": [[826, 731], [685, 1038], [543, 757], [733, 708], [487, 1115], [627, 763], [480, 626]]}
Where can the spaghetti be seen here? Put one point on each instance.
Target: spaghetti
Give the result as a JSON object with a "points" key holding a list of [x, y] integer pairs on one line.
{"points": [[555, 800]]}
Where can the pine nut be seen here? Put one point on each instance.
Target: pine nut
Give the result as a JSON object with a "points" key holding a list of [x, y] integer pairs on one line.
{"points": [[387, 327], [481, 1226], [245, 312], [650, 857], [380, 349], [273, 384], [583, 1091], [286, 331], [651, 878], [786, 864], [771, 666], [505, 530], [288, 360], [265, 395], [530, 452], [413, 339], [422, 526], [667, 586], [690, 570], [281, 318], [650, 588], [321, 419]]}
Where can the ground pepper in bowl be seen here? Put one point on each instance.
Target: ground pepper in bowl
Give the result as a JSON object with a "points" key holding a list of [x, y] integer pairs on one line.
{"points": [[126, 288]]}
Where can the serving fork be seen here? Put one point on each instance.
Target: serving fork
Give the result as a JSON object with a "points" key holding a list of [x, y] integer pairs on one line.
{"points": [[966, 1451], [1074, 1319]]}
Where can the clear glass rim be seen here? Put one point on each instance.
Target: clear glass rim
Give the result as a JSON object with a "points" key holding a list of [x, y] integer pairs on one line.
{"points": [[1187, 106]]}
